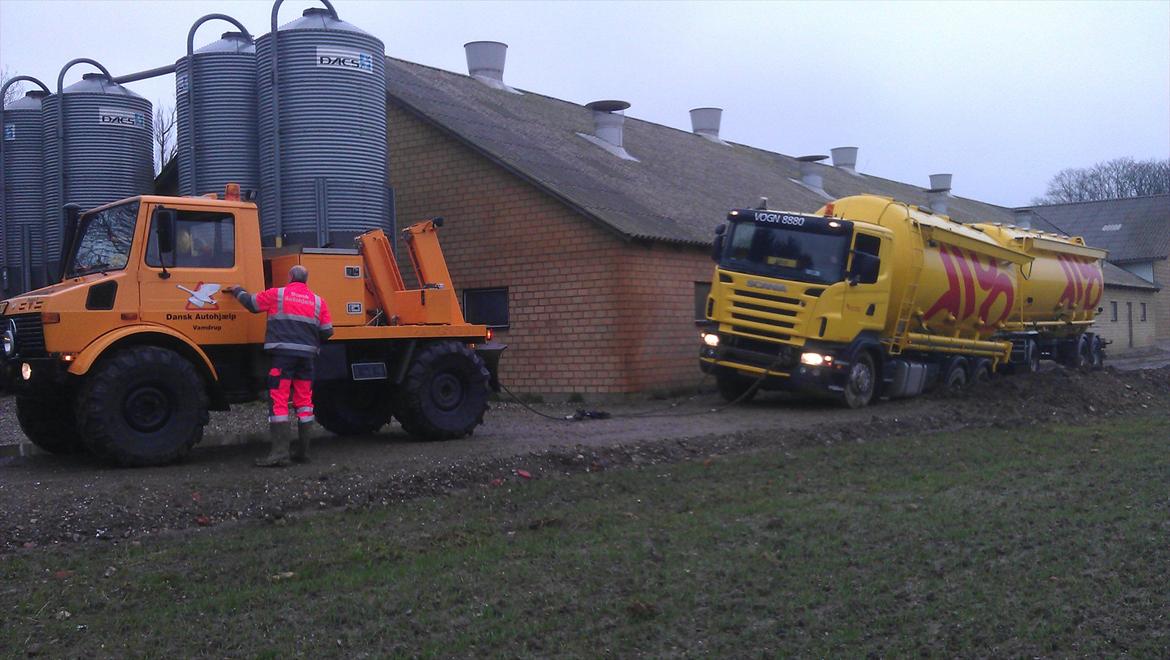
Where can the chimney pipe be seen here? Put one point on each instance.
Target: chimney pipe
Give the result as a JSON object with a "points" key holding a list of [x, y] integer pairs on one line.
{"points": [[940, 182], [810, 174], [845, 158], [485, 63], [705, 122], [608, 122]]}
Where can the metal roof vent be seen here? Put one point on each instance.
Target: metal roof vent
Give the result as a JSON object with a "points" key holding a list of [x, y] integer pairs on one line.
{"points": [[845, 158], [485, 63], [810, 174], [1023, 218], [939, 193], [608, 119], [705, 122], [940, 181]]}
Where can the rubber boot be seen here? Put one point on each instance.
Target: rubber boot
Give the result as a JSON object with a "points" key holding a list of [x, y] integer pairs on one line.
{"points": [[300, 444], [277, 456]]}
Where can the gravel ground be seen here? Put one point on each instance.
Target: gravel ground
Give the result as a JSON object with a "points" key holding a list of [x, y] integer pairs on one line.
{"points": [[49, 499]]}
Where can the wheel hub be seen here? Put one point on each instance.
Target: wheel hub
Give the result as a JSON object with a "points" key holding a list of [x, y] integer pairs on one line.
{"points": [[446, 391], [147, 409], [860, 379]]}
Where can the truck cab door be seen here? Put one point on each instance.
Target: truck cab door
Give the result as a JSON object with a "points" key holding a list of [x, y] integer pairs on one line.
{"points": [[181, 283], [867, 301]]}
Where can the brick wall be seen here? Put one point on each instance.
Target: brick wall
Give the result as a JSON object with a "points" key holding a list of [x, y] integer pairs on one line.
{"points": [[590, 312], [1162, 299], [1127, 302]]}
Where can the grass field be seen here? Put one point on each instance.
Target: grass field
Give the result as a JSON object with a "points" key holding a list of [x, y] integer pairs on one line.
{"points": [[1030, 542]]}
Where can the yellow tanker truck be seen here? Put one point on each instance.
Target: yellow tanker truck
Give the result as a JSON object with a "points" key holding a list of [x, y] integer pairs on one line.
{"points": [[869, 297]]}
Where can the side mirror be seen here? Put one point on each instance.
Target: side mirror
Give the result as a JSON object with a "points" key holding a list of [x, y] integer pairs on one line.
{"points": [[864, 269], [164, 223], [717, 246]]}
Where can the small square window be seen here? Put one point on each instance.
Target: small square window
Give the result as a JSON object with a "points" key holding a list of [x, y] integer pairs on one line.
{"points": [[702, 290], [1113, 311], [486, 307]]}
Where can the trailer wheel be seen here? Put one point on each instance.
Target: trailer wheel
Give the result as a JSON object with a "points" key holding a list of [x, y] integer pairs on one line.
{"points": [[1079, 354], [862, 380], [1032, 356], [1097, 353], [349, 408], [445, 392], [49, 423], [955, 376], [734, 387], [142, 406]]}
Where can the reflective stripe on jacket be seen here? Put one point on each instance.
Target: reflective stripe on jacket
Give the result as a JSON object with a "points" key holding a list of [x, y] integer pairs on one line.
{"points": [[298, 319]]}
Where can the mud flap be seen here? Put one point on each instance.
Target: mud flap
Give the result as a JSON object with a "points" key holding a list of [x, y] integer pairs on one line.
{"points": [[490, 354]]}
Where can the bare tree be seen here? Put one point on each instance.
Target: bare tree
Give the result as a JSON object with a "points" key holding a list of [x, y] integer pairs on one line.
{"points": [[12, 93], [165, 146], [1121, 177]]}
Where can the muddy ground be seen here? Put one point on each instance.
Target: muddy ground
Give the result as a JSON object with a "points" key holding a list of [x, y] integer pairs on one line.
{"points": [[50, 499]]}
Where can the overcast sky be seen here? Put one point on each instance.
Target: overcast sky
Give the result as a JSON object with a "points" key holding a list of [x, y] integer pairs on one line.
{"points": [[1003, 95]]}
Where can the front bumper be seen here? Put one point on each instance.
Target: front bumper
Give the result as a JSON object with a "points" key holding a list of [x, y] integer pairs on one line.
{"points": [[781, 363], [47, 374]]}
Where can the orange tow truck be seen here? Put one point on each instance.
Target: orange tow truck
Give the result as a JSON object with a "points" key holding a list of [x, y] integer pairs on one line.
{"points": [[125, 356]]}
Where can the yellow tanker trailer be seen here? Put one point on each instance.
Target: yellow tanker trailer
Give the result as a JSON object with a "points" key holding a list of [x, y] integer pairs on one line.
{"points": [[872, 297]]}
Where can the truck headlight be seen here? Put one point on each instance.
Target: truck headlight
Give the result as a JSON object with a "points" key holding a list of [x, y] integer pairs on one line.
{"points": [[710, 338], [26, 371], [815, 359], [8, 339]]}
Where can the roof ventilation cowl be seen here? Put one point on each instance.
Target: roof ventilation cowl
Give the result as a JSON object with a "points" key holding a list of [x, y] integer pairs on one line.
{"points": [[940, 181], [1023, 218], [810, 174], [485, 63], [705, 122], [845, 158], [608, 122]]}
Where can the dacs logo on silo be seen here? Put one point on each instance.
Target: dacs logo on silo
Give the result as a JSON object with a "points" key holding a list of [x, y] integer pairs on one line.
{"points": [[121, 117], [344, 59]]}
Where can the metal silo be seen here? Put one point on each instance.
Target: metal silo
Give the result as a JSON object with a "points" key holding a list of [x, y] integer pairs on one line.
{"points": [[23, 181], [322, 131], [107, 134], [217, 143]]}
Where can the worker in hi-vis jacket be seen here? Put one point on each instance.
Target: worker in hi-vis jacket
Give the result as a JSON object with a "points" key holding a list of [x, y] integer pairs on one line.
{"points": [[298, 323]]}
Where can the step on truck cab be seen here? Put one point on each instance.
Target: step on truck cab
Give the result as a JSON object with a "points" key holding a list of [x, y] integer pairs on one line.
{"points": [[127, 353], [872, 297]]}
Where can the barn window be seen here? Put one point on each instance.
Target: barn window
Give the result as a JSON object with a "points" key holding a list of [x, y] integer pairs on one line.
{"points": [[1143, 311], [486, 307], [1113, 311]]}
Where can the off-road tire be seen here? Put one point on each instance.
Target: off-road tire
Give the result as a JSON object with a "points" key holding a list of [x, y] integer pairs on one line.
{"points": [[351, 408], [861, 382], [734, 387], [445, 392], [1097, 353], [49, 423], [142, 405]]}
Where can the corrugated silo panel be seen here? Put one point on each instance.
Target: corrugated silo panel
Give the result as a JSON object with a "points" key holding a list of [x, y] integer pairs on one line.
{"points": [[332, 131], [225, 129]]}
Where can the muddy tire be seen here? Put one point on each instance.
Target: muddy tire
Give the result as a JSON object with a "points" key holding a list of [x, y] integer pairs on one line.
{"points": [[981, 371], [955, 375], [350, 408], [1097, 353], [1032, 359], [861, 382], [49, 423], [445, 392], [142, 406], [734, 387]]}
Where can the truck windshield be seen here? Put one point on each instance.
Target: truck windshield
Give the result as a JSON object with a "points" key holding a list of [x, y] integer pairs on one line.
{"points": [[804, 254], [104, 239]]}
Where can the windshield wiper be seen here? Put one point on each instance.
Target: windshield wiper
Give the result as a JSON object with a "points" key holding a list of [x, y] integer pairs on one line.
{"points": [[99, 267]]}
